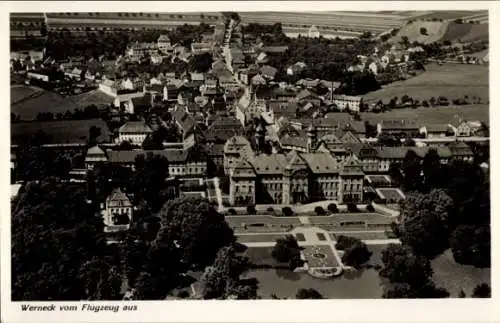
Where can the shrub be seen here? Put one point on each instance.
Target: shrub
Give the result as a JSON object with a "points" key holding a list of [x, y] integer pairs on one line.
{"points": [[425, 103], [231, 211], [344, 242], [423, 31], [370, 208], [287, 211], [352, 207], [270, 209], [356, 255], [319, 210], [251, 209], [183, 294], [332, 207]]}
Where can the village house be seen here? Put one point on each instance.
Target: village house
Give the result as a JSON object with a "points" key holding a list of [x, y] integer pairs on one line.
{"points": [[436, 130], [296, 68], [198, 48], [134, 132], [346, 102], [138, 105], [467, 128], [268, 72], [398, 127], [136, 51], [118, 212], [40, 75], [164, 44]]}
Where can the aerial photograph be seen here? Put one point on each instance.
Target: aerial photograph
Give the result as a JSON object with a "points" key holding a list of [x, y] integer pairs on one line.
{"points": [[249, 155]]}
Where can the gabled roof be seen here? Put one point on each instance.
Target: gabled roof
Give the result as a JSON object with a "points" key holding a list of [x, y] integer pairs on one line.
{"points": [[142, 101], [95, 151], [289, 141], [118, 199], [269, 164], [243, 169], [135, 127], [321, 163], [295, 162], [268, 71]]}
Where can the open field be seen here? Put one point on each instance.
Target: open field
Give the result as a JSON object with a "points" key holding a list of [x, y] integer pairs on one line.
{"points": [[435, 30], [454, 277], [27, 102], [432, 115], [445, 15], [95, 97], [351, 21], [450, 80], [463, 33], [59, 132]]}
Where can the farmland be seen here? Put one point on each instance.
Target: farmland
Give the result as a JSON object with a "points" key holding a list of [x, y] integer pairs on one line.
{"points": [[449, 80], [447, 15], [95, 97], [69, 131], [435, 31], [463, 33], [27, 102], [432, 115]]}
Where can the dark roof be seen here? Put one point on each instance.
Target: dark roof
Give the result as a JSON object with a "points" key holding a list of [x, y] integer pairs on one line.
{"points": [[59, 132], [274, 49], [142, 101]]}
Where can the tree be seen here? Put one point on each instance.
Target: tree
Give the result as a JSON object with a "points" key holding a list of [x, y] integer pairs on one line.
{"points": [[58, 250], [482, 291], [196, 228], [94, 133], [402, 266], [355, 251], [423, 31], [432, 171], [405, 41], [471, 245], [319, 210], [308, 293], [371, 130], [411, 171], [287, 250], [332, 207], [287, 211], [201, 63], [222, 280], [251, 209], [423, 222], [462, 294]]}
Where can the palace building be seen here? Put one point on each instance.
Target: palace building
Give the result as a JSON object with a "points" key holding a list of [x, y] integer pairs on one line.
{"points": [[294, 177]]}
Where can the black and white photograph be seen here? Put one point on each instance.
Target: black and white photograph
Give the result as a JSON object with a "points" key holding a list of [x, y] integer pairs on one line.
{"points": [[248, 155]]}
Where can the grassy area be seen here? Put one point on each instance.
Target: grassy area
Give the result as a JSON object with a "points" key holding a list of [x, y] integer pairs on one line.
{"points": [[64, 131], [95, 97], [454, 277], [450, 80], [259, 237], [436, 115], [27, 102], [466, 33]]}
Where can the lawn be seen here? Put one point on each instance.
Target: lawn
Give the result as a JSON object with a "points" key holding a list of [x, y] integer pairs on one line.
{"points": [[259, 237], [454, 277], [450, 80]]}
